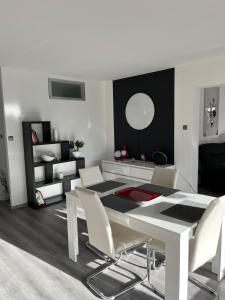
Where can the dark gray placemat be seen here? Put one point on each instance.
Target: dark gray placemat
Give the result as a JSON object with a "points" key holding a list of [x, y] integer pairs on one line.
{"points": [[185, 213], [105, 186], [119, 203], [164, 191]]}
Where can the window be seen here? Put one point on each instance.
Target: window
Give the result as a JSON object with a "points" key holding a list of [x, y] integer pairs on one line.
{"points": [[66, 90]]}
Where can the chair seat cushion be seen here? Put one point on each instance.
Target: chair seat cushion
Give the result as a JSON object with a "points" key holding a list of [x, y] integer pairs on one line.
{"points": [[125, 237]]}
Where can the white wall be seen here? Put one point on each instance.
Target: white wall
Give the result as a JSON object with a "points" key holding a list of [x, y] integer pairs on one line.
{"points": [[221, 120], [109, 117], [189, 81], [26, 99], [3, 156]]}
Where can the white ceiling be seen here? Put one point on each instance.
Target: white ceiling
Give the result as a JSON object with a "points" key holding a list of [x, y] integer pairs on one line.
{"points": [[108, 39]]}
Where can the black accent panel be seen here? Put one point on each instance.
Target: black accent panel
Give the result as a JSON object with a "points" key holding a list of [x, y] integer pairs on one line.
{"points": [[28, 155], [48, 173], [106, 186], [65, 150], [159, 136], [46, 130], [80, 164]]}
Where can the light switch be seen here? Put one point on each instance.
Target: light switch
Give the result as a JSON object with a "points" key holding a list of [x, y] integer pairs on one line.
{"points": [[185, 127], [10, 138]]}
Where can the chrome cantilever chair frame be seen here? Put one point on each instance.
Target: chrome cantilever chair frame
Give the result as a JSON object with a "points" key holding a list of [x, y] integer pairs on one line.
{"points": [[111, 262], [196, 282], [203, 286], [111, 239]]}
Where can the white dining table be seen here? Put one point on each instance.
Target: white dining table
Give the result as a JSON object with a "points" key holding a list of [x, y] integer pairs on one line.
{"points": [[148, 219]]}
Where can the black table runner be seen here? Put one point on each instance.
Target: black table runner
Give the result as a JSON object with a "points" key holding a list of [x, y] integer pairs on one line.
{"points": [[164, 191], [119, 203], [105, 186], [185, 213]]}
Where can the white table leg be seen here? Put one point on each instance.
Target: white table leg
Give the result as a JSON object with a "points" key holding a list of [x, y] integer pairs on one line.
{"points": [[177, 250], [72, 227], [218, 263]]}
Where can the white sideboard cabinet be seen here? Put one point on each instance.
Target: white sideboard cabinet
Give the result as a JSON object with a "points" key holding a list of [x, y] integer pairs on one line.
{"points": [[137, 170]]}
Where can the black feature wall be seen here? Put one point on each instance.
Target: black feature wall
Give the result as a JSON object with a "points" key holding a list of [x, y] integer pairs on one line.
{"points": [[159, 135]]}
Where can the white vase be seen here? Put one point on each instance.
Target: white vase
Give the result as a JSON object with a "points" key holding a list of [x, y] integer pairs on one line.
{"points": [[76, 154], [55, 135]]}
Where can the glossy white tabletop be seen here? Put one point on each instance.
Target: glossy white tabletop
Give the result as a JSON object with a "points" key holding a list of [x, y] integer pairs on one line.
{"points": [[149, 212]]}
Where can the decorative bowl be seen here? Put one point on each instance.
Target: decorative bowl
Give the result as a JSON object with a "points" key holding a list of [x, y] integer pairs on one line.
{"points": [[76, 154], [48, 157]]}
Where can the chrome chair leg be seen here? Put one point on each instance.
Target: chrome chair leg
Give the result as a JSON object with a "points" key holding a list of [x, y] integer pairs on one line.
{"points": [[203, 286], [149, 267], [111, 263], [153, 259], [150, 257], [97, 252], [163, 263], [105, 257]]}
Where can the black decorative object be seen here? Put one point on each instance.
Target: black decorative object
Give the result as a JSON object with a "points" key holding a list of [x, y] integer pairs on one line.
{"points": [[159, 158], [159, 86], [30, 165], [212, 167]]}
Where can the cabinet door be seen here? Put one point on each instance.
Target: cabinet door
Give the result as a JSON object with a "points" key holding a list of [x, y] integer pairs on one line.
{"points": [[109, 176], [140, 173], [116, 169]]}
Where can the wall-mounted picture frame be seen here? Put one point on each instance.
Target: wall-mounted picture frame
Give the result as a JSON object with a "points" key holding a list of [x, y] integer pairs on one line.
{"points": [[211, 111]]}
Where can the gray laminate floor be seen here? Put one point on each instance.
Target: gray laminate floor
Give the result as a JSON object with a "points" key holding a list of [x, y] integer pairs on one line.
{"points": [[34, 261]]}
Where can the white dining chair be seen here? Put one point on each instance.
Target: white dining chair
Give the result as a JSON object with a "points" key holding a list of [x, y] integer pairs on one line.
{"points": [[165, 177], [111, 239], [203, 247], [90, 176]]}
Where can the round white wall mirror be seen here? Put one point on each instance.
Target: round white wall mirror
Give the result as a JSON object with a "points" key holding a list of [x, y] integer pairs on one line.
{"points": [[140, 111]]}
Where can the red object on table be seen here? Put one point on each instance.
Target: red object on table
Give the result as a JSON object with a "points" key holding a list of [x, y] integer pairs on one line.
{"points": [[137, 194]]}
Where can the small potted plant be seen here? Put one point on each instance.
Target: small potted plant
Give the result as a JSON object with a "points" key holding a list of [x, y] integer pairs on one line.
{"points": [[76, 148]]}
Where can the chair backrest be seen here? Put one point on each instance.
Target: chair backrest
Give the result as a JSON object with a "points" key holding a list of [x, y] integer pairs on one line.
{"points": [[165, 177], [99, 229], [90, 176], [203, 246]]}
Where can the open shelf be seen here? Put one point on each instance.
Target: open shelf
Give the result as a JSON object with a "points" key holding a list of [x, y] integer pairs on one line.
{"points": [[49, 143], [54, 162], [43, 183], [54, 200], [30, 165]]}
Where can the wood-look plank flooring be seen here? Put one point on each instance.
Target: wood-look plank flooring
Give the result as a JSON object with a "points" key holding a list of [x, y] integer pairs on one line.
{"points": [[34, 261]]}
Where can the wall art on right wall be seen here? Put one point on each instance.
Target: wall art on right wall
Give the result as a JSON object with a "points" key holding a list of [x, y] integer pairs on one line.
{"points": [[211, 111]]}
